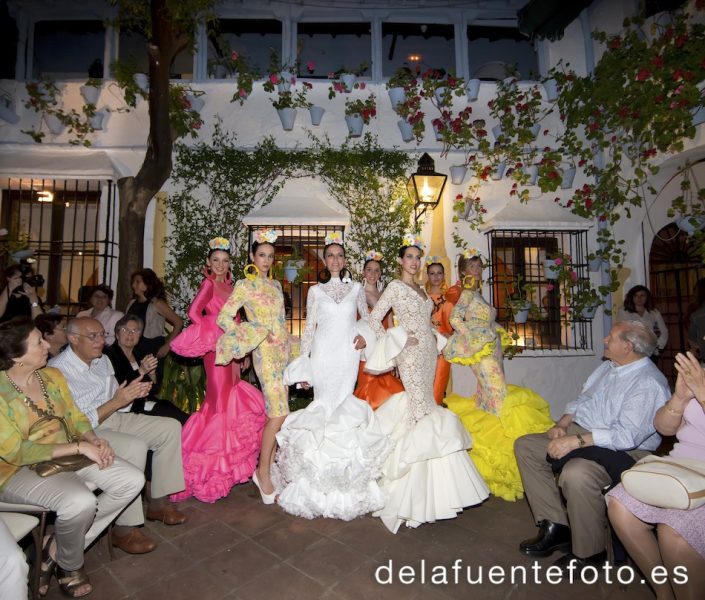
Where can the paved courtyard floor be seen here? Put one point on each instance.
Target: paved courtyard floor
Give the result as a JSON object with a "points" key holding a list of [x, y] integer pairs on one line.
{"points": [[240, 549]]}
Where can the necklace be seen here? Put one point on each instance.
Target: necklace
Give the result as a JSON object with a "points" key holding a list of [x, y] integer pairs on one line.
{"points": [[49, 412]]}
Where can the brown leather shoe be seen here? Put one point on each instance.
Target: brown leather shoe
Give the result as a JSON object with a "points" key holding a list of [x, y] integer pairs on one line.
{"points": [[167, 515], [134, 542]]}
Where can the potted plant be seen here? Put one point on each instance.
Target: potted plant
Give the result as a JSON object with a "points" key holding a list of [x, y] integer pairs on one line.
{"points": [[348, 77], [246, 75], [411, 124], [558, 266], [358, 112], [401, 80], [283, 75], [519, 301], [287, 102]]}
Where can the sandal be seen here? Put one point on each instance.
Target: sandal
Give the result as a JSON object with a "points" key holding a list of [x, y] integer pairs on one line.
{"points": [[47, 566], [71, 581]]}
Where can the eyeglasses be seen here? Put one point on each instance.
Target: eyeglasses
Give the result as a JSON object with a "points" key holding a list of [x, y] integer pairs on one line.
{"points": [[93, 336], [132, 331]]}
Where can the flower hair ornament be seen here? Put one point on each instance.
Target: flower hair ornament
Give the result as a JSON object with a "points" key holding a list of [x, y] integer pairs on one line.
{"points": [[373, 255], [433, 260], [265, 236], [411, 239], [334, 238], [471, 253], [219, 243]]}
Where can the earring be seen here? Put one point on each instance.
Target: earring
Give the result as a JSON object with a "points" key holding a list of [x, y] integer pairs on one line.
{"points": [[468, 285], [251, 271]]}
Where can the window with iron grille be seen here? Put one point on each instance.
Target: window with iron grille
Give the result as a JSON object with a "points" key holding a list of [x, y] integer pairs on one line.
{"points": [[70, 227], [517, 258], [302, 243]]}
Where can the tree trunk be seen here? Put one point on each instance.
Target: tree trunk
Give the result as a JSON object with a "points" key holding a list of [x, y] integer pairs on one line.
{"points": [[137, 192]]}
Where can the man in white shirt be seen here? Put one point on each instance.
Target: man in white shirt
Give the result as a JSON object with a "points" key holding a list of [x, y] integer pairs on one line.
{"points": [[615, 410], [106, 404]]}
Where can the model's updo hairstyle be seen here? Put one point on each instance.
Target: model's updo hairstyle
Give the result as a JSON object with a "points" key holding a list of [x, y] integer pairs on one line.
{"points": [[464, 262], [257, 244], [403, 249]]}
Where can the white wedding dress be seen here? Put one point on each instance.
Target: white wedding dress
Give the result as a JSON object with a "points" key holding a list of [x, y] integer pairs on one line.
{"points": [[429, 476], [330, 453]]}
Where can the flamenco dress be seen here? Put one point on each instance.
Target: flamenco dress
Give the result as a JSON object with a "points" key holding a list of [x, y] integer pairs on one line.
{"points": [[376, 389], [429, 475], [498, 413], [331, 452], [221, 441]]}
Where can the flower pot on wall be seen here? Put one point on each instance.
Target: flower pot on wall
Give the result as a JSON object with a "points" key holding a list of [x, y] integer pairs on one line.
{"points": [[521, 316], [397, 95], [698, 115], [142, 81], [54, 124], [472, 89], [588, 312], [197, 103], [98, 119], [348, 80], [497, 132], [439, 94], [457, 174], [551, 87], [90, 94], [219, 72], [7, 110], [438, 133], [510, 82], [499, 171], [287, 116], [595, 264], [316, 113], [550, 269], [406, 129], [532, 171], [567, 177], [689, 224], [535, 130], [355, 125]]}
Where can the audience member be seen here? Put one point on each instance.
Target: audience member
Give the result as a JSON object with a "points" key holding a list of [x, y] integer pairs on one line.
{"points": [[101, 309], [19, 298], [680, 539], [53, 330], [615, 411], [696, 322], [639, 306], [30, 395], [106, 403]]}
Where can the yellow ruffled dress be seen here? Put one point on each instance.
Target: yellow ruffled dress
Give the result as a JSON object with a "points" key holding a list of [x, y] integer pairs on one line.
{"points": [[499, 413]]}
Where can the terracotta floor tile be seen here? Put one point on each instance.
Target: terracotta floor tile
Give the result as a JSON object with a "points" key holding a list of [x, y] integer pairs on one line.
{"points": [[241, 563], [289, 538], [282, 582], [327, 561]]}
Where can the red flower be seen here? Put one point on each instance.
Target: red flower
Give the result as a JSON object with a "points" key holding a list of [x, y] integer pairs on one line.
{"points": [[681, 40], [657, 61], [615, 43], [588, 203], [274, 78], [643, 75]]}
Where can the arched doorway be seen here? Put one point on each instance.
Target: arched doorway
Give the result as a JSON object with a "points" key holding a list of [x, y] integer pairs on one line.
{"points": [[674, 267]]}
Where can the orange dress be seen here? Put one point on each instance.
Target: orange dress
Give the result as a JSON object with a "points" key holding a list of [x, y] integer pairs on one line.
{"points": [[440, 319], [375, 389]]}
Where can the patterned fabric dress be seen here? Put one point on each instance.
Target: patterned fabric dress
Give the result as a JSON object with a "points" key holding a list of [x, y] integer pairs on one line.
{"points": [[265, 335], [220, 442], [498, 414], [429, 476]]}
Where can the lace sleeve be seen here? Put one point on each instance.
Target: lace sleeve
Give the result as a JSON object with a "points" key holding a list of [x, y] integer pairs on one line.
{"points": [[362, 304], [382, 307], [457, 317], [309, 330]]}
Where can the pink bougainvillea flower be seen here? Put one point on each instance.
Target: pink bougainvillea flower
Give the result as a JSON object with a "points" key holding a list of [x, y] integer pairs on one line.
{"points": [[274, 78], [242, 93], [234, 55], [311, 66], [362, 85], [559, 262]]}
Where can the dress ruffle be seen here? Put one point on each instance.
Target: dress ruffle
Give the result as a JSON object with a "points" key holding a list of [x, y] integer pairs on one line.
{"points": [[523, 411], [327, 464], [198, 338], [239, 341], [429, 475], [220, 444]]}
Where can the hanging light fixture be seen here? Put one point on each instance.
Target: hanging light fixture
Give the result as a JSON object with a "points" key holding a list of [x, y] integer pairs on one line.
{"points": [[425, 187]]}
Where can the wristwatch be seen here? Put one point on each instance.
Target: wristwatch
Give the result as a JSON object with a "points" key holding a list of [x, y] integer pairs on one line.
{"points": [[581, 441]]}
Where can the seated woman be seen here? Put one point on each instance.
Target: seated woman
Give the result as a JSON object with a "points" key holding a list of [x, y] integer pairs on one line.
{"points": [[680, 534], [639, 306], [30, 394], [129, 364], [498, 413], [53, 330]]}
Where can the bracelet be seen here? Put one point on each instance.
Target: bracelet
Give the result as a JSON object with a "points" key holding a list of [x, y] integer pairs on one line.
{"points": [[672, 411]]}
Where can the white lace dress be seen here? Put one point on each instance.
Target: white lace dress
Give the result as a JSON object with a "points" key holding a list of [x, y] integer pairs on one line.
{"points": [[429, 475], [330, 453]]}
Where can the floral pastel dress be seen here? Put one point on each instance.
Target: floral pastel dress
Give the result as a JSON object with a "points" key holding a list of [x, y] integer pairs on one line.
{"points": [[499, 413], [264, 334]]}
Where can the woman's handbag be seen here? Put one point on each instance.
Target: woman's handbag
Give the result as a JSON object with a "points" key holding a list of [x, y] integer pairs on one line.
{"points": [[667, 482], [74, 462]]}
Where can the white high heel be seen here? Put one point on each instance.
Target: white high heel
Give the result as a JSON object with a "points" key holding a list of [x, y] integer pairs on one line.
{"points": [[266, 498]]}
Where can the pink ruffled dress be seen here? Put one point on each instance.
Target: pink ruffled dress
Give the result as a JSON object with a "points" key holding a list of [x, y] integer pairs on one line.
{"points": [[221, 441]]}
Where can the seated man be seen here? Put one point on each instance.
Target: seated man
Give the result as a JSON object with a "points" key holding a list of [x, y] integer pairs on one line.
{"points": [[97, 393], [615, 410]]}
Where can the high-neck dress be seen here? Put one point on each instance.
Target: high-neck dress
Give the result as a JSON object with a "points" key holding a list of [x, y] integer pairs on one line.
{"points": [[220, 442]]}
